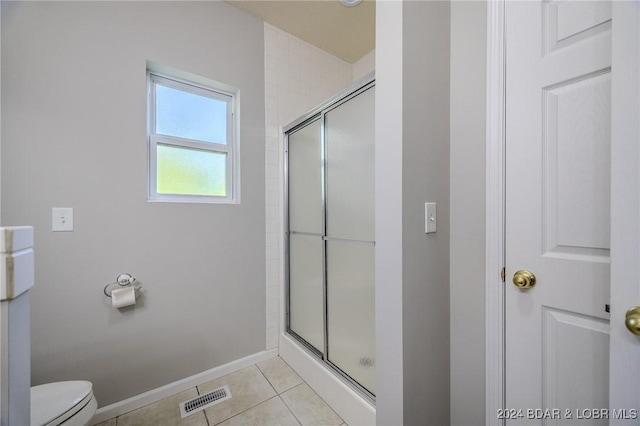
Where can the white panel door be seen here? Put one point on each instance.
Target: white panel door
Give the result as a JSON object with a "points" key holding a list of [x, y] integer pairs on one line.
{"points": [[558, 175]]}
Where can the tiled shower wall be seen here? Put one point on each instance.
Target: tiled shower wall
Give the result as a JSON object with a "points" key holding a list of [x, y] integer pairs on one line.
{"points": [[298, 77]]}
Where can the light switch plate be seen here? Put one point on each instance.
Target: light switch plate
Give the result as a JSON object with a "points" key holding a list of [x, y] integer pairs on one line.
{"points": [[430, 218], [62, 219]]}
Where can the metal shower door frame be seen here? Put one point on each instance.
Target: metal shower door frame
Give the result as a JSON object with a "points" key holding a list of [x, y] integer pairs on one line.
{"points": [[312, 116]]}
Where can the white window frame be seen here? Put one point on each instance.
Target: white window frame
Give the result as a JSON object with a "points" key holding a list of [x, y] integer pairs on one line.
{"points": [[231, 148]]}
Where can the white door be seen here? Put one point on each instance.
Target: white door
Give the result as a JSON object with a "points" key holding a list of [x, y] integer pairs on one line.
{"points": [[558, 175]]}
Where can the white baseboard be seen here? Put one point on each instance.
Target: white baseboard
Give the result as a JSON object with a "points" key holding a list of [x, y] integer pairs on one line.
{"points": [[154, 395], [353, 409]]}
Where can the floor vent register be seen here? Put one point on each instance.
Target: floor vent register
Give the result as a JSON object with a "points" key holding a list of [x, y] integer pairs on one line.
{"points": [[203, 401]]}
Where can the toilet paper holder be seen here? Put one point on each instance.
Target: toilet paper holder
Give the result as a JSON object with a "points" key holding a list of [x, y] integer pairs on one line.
{"points": [[122, 280]]}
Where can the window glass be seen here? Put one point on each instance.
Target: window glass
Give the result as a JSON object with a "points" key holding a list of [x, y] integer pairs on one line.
{"points": [[191, 171], [189, 115]]}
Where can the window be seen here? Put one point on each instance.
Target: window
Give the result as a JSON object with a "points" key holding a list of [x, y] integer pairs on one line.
{"points": [[192, 142]]}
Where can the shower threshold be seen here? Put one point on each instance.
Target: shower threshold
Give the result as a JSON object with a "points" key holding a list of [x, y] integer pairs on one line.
{"points": [[353, 384]]}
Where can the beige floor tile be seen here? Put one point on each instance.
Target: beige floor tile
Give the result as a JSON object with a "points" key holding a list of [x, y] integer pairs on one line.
{"points": [[309, 408], [164, 413], [248, 388], [269, 413], [110, 422], [280, 375]]}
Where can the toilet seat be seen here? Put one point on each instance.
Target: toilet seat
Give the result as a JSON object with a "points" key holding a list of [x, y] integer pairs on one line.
{"points": [[70, 403]]}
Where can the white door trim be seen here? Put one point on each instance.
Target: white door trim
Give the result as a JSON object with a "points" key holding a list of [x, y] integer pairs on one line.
{"points": [[495, 211], [625, 204], [624, 357]]}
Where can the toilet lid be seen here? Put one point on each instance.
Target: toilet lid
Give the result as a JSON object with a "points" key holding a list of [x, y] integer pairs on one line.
{"points": [[52, 400]]}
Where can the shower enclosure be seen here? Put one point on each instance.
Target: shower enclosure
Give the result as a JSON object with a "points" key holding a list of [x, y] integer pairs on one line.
{"points": [[329, 203]]}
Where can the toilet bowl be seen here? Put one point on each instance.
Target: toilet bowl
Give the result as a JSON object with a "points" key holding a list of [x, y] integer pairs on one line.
{"points": [[63, 403]]}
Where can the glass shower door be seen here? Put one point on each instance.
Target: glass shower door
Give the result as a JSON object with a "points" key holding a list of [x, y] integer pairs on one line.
{"points": [[306, 229], [350, 237], [330, 205]]}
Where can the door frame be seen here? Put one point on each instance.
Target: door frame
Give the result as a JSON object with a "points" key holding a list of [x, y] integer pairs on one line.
{"points": [[625, 206], [495, 208]]}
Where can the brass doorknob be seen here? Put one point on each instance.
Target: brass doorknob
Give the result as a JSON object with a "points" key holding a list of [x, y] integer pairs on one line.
{"points": [[524, 279], [632, 320]]}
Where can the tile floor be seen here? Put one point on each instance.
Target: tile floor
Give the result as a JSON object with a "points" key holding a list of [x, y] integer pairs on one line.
{"points": [[269, 393]]}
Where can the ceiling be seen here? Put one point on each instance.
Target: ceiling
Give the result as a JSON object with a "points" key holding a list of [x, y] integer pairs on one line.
{"points": [[346, 32]]}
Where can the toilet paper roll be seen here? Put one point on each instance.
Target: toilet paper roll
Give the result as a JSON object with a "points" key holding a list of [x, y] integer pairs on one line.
{"points": [[122, 297]]}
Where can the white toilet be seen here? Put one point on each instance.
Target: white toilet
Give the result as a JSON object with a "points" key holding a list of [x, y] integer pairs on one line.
{"points": [[63, 403]]}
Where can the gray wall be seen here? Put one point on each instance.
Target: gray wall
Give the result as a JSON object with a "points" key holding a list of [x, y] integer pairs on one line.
{"points": [[468, 100], [412, 167], [74, 135], [425, 177]]}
